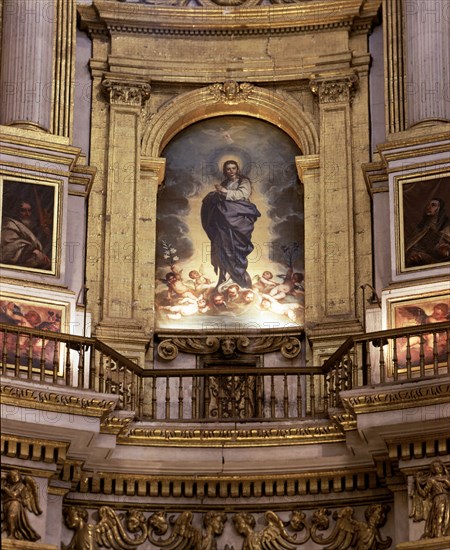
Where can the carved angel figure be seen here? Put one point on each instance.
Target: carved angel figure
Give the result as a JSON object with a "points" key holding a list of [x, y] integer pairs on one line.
{"points": [[349, 533], [431, 500], [272, 537], [184, 534], [108, 532], [19, 494]]}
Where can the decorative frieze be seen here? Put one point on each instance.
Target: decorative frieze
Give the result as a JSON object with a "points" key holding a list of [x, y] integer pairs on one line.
{"points": [[289, 346], [185, 531]]}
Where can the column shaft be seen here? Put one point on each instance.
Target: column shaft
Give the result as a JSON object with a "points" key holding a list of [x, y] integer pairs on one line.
{"points": [[27, 62], [428, 60]]}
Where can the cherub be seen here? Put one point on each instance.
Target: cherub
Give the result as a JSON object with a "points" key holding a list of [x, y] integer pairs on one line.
{"points": [[292, 284], [186, 306], [264, 282], [176, 288], [218, 303], [290, 310], [415, 316], [200, 281]]}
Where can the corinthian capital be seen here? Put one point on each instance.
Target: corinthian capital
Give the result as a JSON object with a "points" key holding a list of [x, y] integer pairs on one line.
{"points": [[334, 89], [126, 92]]}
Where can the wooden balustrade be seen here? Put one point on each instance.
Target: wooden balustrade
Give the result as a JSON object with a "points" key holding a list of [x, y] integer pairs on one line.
{"points": [[223, 394], [396, 355]]}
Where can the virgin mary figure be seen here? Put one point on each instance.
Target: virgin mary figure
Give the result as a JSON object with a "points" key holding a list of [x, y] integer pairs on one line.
{"points": [[228, 218]]}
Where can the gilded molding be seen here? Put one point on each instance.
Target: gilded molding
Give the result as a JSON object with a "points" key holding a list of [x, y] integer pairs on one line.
{"points": [[345, 421], [45, 400], [227, 486], [410, 448], [398, 399], [289, 346], [124, 92], [335, 89], [232, 437], [230, 91], [115, 425], [27, 448]]}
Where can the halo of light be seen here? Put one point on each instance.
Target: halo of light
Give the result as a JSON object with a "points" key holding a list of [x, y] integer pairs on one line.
{"points": [[229, 156]]}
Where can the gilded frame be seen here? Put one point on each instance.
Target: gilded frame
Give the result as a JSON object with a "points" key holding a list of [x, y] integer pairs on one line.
{"points": [[36, 313], [40, 198], [418, 247]]}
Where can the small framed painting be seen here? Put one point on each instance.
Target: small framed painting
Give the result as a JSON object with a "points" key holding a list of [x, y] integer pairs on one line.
{"points": [[33, 313], [423, 309], [423, 221], [30, 224]]}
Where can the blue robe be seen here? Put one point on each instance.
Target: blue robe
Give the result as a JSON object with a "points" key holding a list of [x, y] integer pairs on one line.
{"points": [[229, 226]]}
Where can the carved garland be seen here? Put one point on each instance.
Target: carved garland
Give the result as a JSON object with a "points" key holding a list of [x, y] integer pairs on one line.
{"points": [[111, 530], [289, 346]]}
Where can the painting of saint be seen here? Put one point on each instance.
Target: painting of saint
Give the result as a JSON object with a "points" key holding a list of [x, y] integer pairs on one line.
{"points": [[229, 251], [425, 203], [28, 232]]}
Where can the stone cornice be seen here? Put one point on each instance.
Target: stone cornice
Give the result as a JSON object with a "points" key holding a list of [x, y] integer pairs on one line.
{"points": [[114, 17]]}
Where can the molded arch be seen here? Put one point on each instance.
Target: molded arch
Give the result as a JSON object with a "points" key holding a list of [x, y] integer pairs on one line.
{"points": [[188, 108]]}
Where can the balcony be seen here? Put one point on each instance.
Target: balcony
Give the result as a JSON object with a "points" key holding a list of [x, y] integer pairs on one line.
{"points": [[226, 394]]}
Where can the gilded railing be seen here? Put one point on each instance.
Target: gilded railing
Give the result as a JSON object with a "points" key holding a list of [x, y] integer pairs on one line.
{"points": [[232, 393]]}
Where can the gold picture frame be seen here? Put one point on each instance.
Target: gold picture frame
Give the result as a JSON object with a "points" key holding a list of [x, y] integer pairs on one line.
{"points": [[30, 217], [35, 313], [423, 221], [421, 309]]}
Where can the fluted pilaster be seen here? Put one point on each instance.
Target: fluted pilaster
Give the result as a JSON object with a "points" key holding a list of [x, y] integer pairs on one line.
{"points": [[427, 25], [27, 62]]}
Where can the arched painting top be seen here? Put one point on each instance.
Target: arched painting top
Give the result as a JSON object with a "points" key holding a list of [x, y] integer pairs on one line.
{"points": [[217, 100], [230, 228]]}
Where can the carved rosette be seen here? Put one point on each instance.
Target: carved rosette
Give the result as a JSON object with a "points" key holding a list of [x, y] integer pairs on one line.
{"points": [[230, 92], [335, 90], [289, 346], [120, 92]]}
